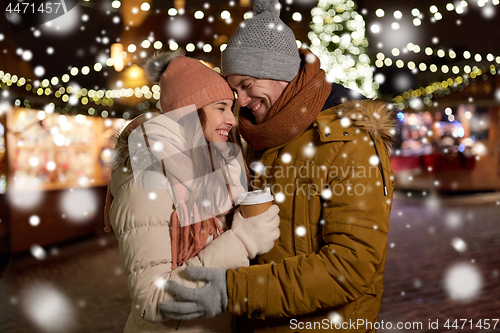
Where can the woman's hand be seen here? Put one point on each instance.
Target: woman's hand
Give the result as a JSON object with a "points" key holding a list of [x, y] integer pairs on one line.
{"points": [[257, 233]]}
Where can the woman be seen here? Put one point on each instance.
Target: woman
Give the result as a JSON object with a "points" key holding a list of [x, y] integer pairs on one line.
{"points": [[182, 157]]}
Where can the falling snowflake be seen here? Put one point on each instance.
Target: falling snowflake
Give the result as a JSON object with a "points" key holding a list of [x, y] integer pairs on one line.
{"points": [[178, 28], [463, 282], [257, 167], [300, 231], [459, 245], [54, 251], [453, 220], [25, 200], [38, 252], [310, 58], [326, 194], [488, 12], [79, 204], [279, 197], [374, 160], [345, 122], [286, 158], [335, 317], [39, 71], [160, 283], [34, 220], [309, 150], [48, 308], [379, 78], [27, 55], [73, 100]]}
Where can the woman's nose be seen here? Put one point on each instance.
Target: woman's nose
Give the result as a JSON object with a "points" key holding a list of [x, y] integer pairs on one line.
{"points": [[230, 120]]}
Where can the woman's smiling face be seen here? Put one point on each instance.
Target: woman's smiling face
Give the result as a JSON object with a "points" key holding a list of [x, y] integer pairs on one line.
{"points": [[219, 120]]}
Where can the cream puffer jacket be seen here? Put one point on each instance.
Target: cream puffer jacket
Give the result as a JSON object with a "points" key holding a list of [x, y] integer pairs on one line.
{"points": [[139, 216], [141, 226]]}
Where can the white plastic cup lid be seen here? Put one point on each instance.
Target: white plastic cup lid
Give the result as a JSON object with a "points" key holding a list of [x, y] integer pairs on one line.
{"points": [[257, 197]]}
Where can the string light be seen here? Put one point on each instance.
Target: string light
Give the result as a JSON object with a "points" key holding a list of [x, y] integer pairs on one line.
{"points": [[199, 15], [439, 87], [99, 97], [322, 36], [458, 7]]}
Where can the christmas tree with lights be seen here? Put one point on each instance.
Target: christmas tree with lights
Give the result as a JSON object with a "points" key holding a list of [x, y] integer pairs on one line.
{"points": [[338, 38]]}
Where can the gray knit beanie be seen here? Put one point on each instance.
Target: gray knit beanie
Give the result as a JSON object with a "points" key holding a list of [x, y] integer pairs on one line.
{"points": [[263, 46]]}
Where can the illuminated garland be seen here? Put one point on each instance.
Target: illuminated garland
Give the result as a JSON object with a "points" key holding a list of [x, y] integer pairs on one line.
{"points": [[7, 80], [401, 101], [342, 58], [383, 61], [437, 15]]}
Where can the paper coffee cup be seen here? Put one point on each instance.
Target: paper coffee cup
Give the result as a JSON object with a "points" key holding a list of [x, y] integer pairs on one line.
{"points": [[256, 203]]}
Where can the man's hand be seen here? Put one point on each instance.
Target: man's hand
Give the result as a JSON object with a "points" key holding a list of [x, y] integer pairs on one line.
{"points": [[205, 302]]}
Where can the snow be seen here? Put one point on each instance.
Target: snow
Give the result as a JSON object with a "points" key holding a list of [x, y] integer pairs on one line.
{"points": [[79, 205], [300, 231], [152, 196], [38, 252], [374, 160], [178, 28], [48, 308], [286, 158], [463, 282], [25, 200], [39, 71], [34, 220], [459, 245], [279, 197], [345, 122], [27, 55]]}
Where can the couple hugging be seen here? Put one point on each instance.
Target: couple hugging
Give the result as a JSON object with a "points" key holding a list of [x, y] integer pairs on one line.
{"points": [[179, 176]]}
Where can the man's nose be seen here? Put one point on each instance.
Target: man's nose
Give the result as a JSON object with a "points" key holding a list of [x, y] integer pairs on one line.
{"points": [[243, 99]]}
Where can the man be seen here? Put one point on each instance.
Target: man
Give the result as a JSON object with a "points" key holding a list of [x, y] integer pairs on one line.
{"points": [[328, 167]]}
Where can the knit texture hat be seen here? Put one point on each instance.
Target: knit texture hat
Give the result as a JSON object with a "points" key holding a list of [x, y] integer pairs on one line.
{"points": [[263, 46], [185, 81]]}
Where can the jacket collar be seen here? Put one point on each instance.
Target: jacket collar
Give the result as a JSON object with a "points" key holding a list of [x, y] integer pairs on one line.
{"points": [[341, 122]]}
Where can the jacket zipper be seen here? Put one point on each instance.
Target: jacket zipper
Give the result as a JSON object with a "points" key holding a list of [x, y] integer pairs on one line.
{"points": [[380, 165]]}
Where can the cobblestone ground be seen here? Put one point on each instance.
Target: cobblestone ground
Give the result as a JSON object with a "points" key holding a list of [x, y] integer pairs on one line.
{"points": [[427, 240]]}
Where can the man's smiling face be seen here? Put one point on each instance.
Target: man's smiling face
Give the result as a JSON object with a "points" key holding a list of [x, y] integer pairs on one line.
{"points": [[258, 95]]}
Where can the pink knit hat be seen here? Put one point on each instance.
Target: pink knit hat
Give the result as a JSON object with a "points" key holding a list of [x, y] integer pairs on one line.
{"points": [[185, 81]]}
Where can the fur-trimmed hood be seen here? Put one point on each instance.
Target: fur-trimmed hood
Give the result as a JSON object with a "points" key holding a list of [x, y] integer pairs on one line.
{"points": [[121, 158], [341, 122]]}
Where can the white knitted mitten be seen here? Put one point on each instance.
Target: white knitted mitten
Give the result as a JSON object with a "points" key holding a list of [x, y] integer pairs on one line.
{"points": [[257, 233]]}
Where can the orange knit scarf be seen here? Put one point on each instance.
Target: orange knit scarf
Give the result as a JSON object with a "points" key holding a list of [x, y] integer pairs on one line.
{"points": [[188, 241], [293, 112]]}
